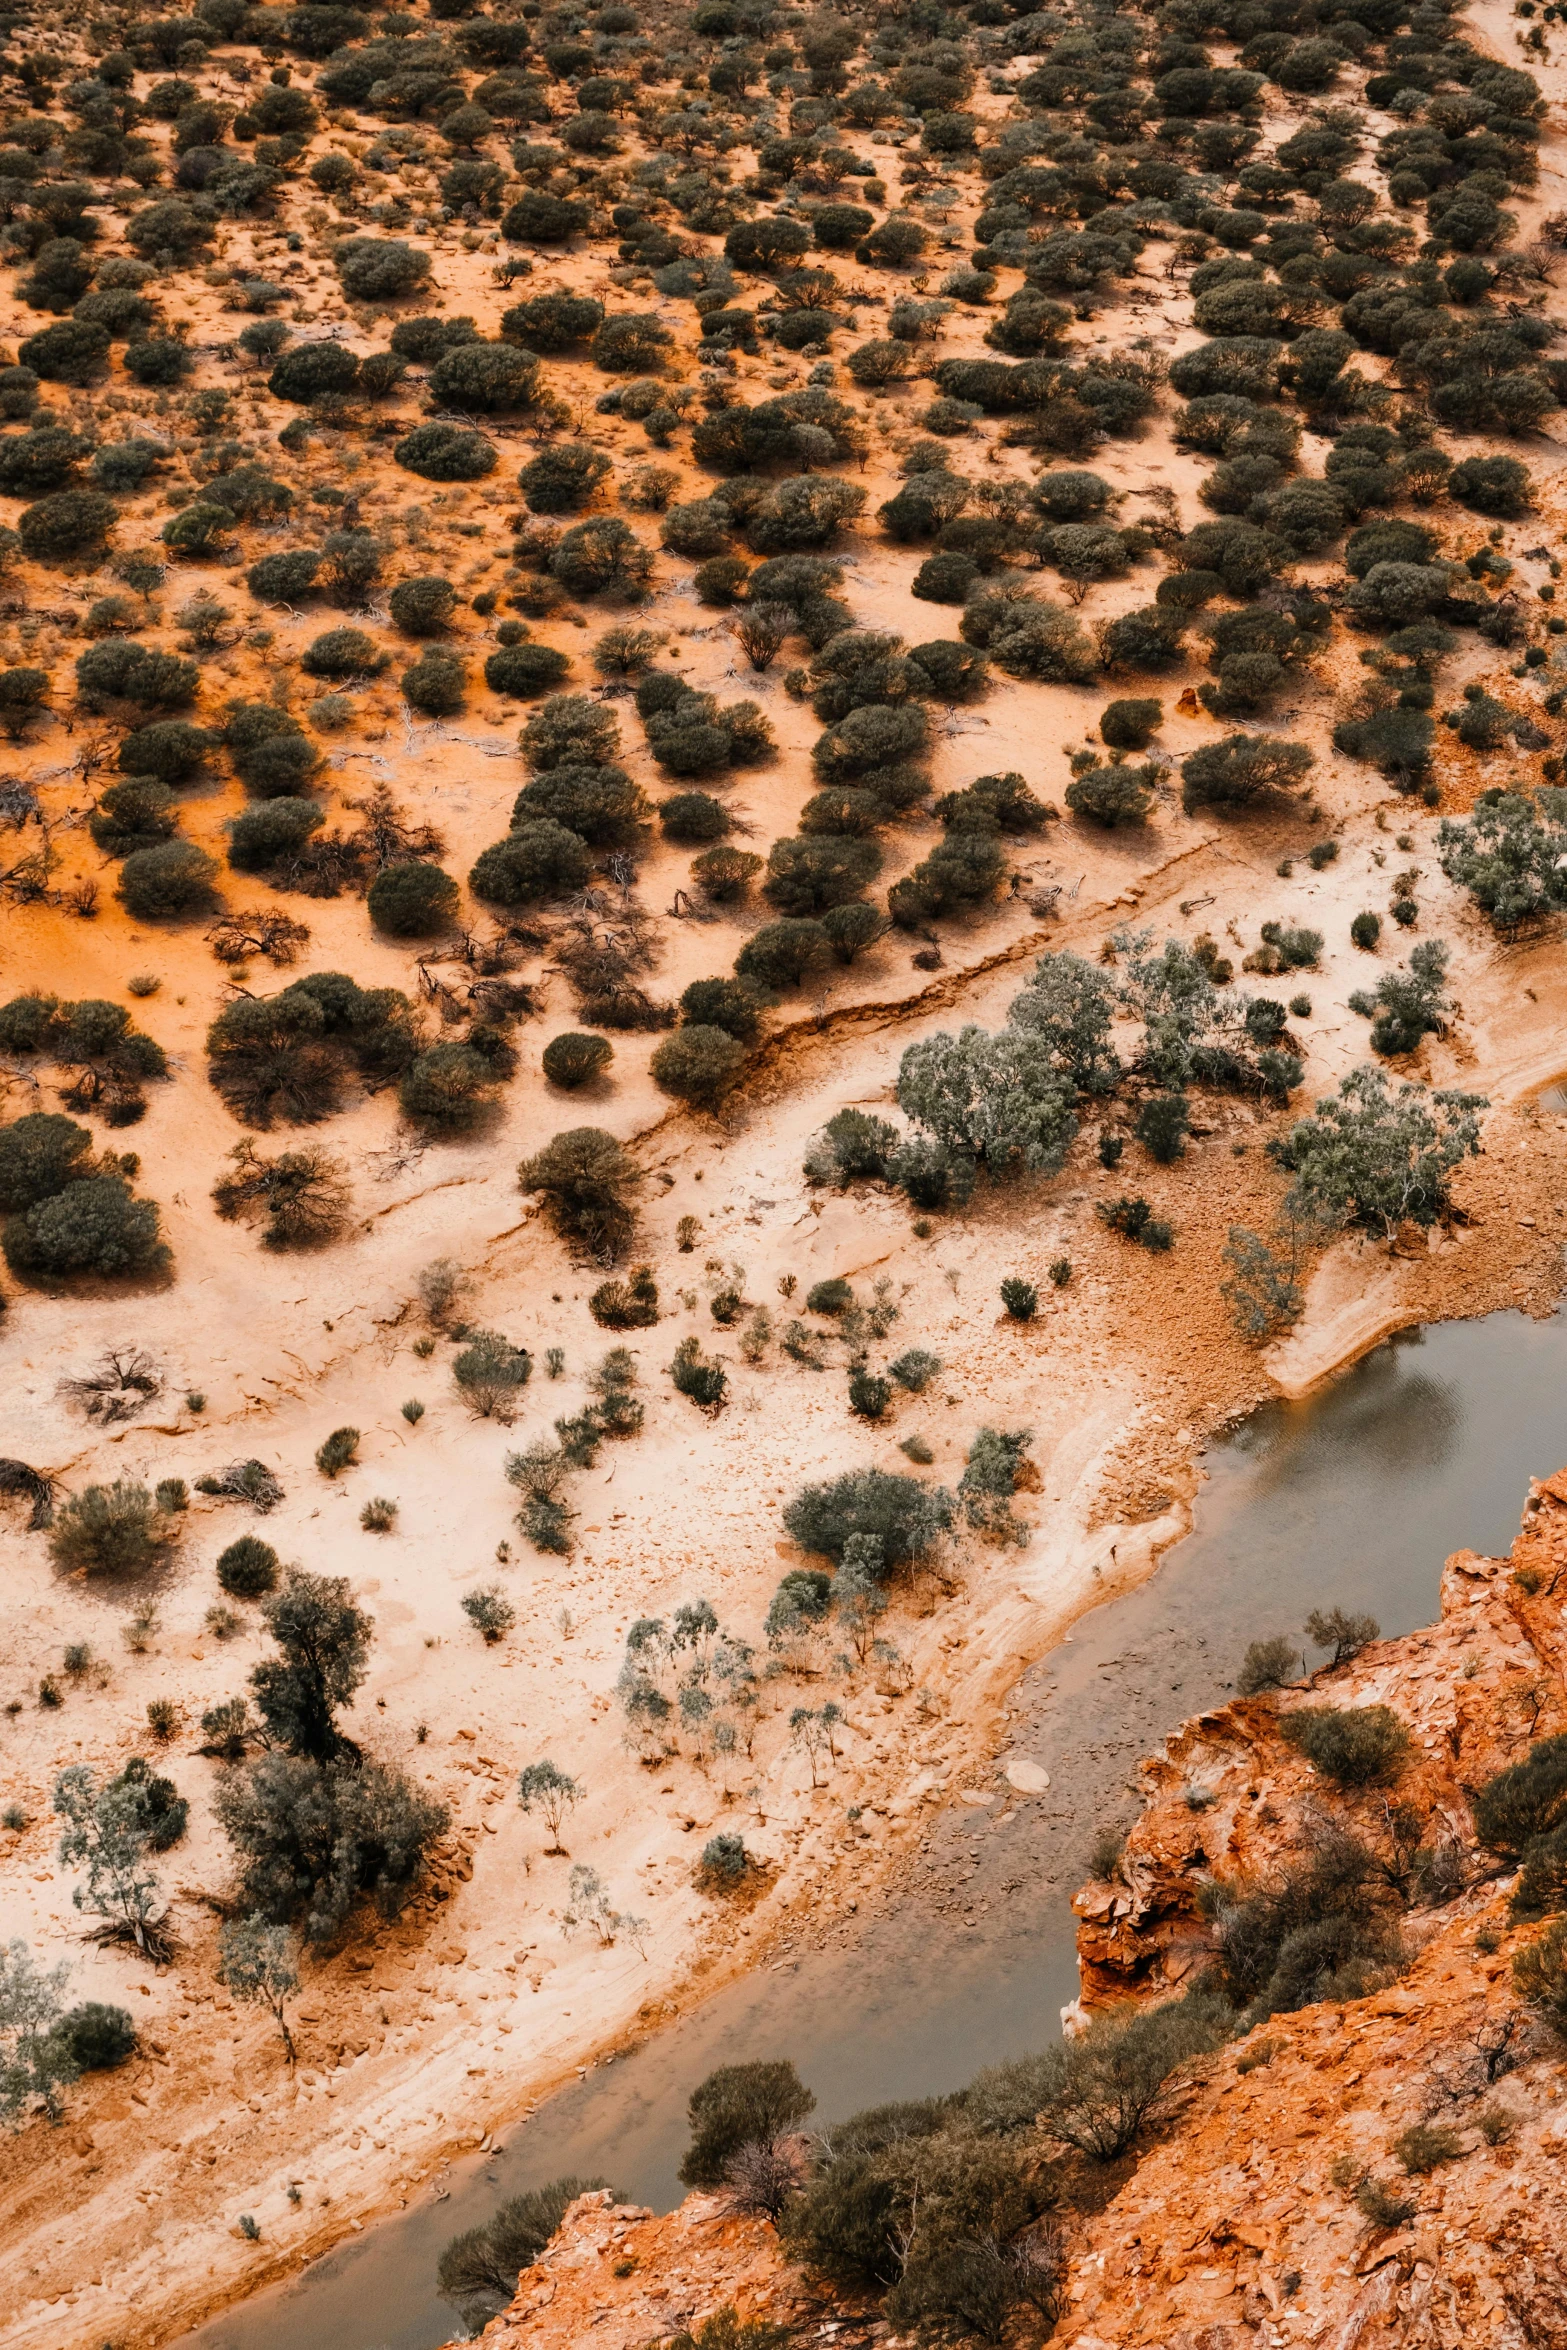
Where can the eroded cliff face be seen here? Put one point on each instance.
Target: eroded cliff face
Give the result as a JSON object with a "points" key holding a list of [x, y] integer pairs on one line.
{"points": [[1240, 2223]]}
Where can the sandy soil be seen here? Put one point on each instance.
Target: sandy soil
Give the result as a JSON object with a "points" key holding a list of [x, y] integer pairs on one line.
{"points": [[419, 2039]]}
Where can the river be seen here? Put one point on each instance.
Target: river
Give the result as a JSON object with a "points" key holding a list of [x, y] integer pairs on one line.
{"points": [[1353, 1497]]}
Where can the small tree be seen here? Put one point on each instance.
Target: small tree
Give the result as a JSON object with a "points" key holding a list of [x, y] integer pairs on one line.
{"points": [[1371, 1158], [36, 2058], [857, 1592], [1345, 1634], [325, 1642], [998, 1098], [1267, 1664], [544, 1788], [258, 1965], [107, 1833]]}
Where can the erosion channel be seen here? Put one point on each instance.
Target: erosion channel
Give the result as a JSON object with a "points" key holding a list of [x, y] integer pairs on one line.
{"points": [[1353, 1496]]}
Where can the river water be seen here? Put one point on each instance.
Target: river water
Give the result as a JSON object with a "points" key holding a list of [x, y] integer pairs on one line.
{"points": [[1353, 1497]]}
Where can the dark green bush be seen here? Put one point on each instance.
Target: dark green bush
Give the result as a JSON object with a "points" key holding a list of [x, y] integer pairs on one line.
{"points": [[69, 526], [1020, 1298], [585, 1177], [537, 860], [168, 881], [72, 352], [93, 1226], [448, 1088], [379, 269], [693, 817], [445, 452], [413, 900], [576, 1059], [265, 835], [721, 1003], [436, 683], [525, 670], [135, 814], [562, 479], [486, 376], [905, 1516], [423, 606], [698, 1064], [740, 2105], [97, 2038], [341, 652], [248, 1568], [40, 1153]]}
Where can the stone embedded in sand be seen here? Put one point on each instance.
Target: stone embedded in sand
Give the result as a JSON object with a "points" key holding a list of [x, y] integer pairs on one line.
{"points": [[973, 1795], [1029, 1778]]}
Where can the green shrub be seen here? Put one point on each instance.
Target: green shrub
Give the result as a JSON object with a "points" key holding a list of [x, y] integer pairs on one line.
{"points": [[705, 1383], [121, 671], [525, 670], [422, 606], [740, 2105], [135, 814], [693, 817], [562, 479], [67, 527], [485, 376], [1242, 768], [1525, 1803], [1365, 930], [40, 1153], [1356, 1746], [445, 452], [1162, 1126], [413, 900], [248, 1568], [698, 1064], [73, 352], [585, 1177], [436, 683], [271, 832], [575, 1059], [1128, 725], [110, 1530], [1491, 485], [603, 557], [1112, 795], [97, 2038], [379, 269], [479, 2270], [537, 860], [725, 1004], [1020, 1298], [167, 882], [1135, 1220], [491, 1373], [904, 1516], [631, 1304], [448, 1088]]}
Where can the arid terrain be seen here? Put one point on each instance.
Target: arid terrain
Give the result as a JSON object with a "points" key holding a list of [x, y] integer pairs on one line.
{"points": [[310, 184]]}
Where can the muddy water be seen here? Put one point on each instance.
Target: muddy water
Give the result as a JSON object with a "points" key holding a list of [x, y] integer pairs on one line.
{"points": [[1354, 1496]]}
